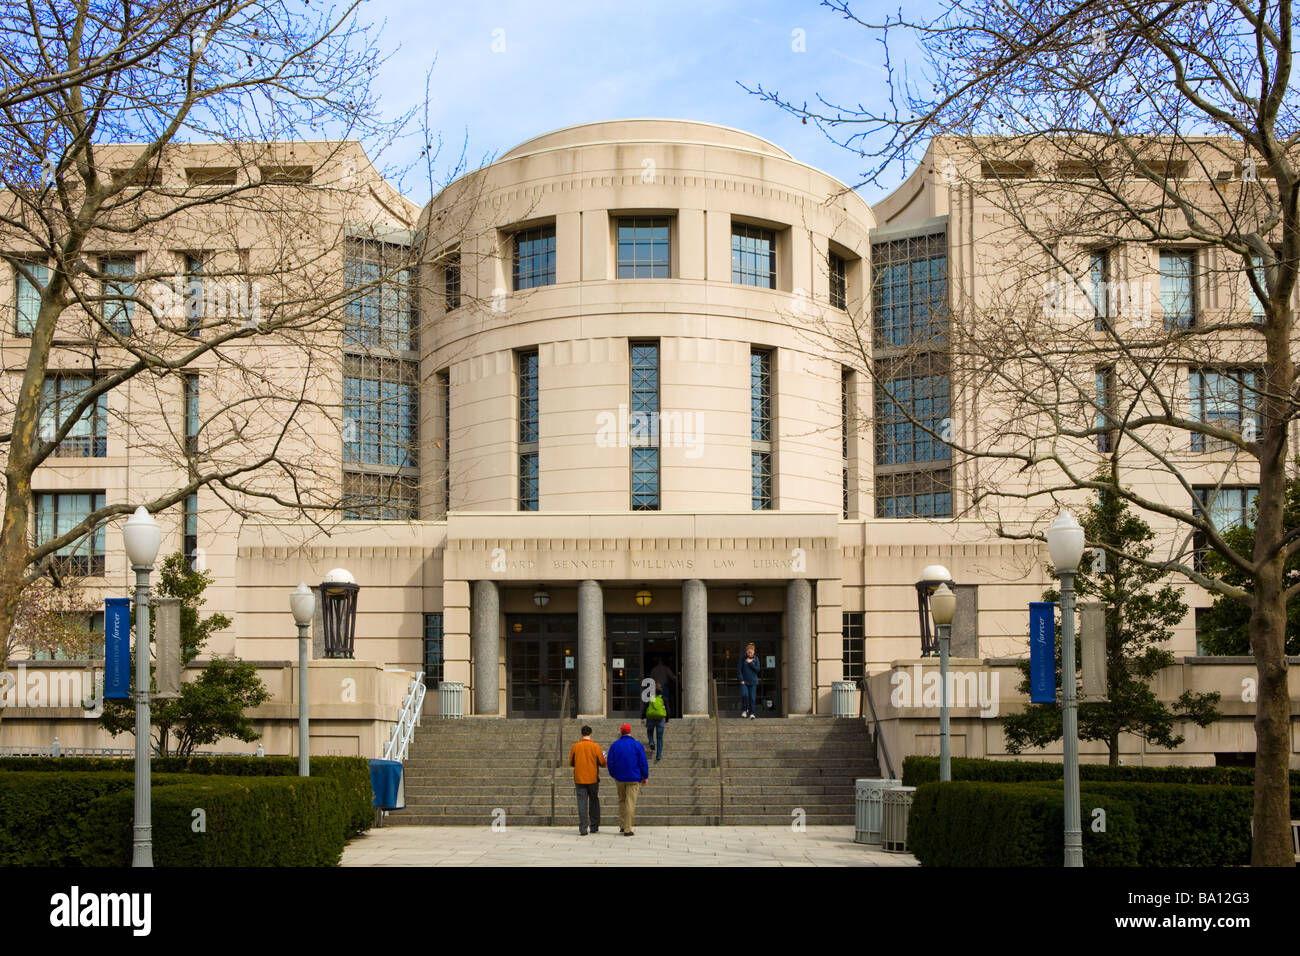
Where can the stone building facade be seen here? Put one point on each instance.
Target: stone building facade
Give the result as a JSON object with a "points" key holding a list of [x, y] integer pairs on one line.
{"points": [[623, 422]]}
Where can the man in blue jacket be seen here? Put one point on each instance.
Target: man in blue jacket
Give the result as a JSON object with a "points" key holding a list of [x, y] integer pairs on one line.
{"points": [[628, 766]]}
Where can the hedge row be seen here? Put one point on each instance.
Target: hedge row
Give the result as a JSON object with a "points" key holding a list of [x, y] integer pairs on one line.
{"points": [[919, 770], [989, 824], [85, 818], [351, 773], [225, 821], [970, 823], [1183, 824], [41, 815]]}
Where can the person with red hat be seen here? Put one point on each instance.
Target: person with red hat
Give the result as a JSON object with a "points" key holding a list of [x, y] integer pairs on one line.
{"points": [[627, 764]]}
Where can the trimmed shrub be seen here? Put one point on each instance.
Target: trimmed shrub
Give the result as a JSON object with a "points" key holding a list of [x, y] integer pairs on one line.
{"points": [[351, 773], [919, 770], [1189, 824], [41, 815], [247, 821], [964, 823], [972, 823]]}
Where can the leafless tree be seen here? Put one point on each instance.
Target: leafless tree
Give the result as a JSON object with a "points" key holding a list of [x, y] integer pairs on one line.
{"points": [[1131, 171], [212, 245]]}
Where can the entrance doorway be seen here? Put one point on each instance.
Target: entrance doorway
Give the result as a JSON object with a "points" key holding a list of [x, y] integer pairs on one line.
{"points": [[541, 654], [638, 645], [728, 635]]}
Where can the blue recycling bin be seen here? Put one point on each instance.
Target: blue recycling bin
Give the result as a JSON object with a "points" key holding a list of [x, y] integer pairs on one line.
{"points": [[386, 782]]}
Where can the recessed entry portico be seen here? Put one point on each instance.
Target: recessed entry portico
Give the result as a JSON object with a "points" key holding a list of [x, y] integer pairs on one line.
{"points": [[606, 612]]}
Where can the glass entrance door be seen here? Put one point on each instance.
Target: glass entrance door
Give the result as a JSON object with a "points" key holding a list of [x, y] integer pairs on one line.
{"points": [[728, 635], [638, 645], [541, 654]]}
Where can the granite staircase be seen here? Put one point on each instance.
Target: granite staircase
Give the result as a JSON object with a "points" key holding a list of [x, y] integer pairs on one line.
{"points": [[462, 772]]}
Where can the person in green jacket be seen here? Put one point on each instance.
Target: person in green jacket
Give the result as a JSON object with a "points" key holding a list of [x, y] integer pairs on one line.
{"points": [[656, 720]]}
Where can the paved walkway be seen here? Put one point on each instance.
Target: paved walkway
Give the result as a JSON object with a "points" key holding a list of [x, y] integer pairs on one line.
{"points": [[662, 846]]}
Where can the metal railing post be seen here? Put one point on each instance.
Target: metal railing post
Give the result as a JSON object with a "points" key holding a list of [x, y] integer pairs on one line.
{"points": [[717, 739], [877, 740], [559, 743]]}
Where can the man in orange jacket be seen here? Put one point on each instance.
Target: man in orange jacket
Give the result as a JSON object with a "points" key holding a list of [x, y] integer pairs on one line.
{"points": [[586, 758]]}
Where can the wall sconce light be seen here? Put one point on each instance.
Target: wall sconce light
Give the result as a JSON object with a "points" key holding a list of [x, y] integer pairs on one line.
{"points": [[643, 597], [745, 597], [540, 597]]}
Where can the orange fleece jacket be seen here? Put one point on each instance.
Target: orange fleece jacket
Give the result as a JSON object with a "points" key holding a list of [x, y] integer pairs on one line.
{"points": [[586, 758]]}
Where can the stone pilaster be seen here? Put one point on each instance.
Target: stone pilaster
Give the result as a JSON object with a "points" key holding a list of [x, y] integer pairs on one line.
{"points": [[695, 648], [828, 641], [798, 611], [591, 649], [485, 640]]}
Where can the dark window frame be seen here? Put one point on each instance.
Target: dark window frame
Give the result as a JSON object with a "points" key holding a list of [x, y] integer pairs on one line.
{"points": [[1172, 318], [533, 264], [839, 280], [93, 445], [84, 557], [1245, 407], [747, 256], [528, 378], [638, 266], [762, 390], [24, 316], [643, 443], [434, 648], [451, 283], [854, 646], [381, 297], [122, 301]]}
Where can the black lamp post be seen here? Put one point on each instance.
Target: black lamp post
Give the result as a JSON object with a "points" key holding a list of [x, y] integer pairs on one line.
{"points": [[931, 577], [338, 594]]}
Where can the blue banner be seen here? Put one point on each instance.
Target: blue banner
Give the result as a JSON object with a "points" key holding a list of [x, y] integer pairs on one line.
{"points": [[117, 648], [1042, 652]]}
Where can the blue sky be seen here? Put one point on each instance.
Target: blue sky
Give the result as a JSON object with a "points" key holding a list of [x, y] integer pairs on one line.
{"points": [[563, 63]]}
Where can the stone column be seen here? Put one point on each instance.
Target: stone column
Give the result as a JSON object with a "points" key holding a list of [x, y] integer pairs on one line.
{"points": [[695, 649], [591, 649], [485, 642], [798, 615]]}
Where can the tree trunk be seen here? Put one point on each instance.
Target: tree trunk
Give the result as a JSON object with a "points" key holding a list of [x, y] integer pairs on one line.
{"points": [[1271, 845], [1272, 815], [1112, 745]]}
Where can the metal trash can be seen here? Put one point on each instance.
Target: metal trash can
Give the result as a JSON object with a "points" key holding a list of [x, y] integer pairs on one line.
{"points": [[451, 699], [842, 694], [896, 803], [868, 808]]}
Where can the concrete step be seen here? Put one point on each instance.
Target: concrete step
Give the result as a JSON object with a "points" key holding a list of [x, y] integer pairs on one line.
{"points": [[461, 771]]}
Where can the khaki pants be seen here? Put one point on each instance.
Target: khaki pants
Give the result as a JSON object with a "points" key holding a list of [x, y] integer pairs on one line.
{"points": [[627, 794]]}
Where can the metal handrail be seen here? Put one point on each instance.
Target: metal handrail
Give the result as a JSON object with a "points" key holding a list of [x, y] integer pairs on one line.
{"points": [[559, 743], [877, 739], [717, 739], [399, 741]]}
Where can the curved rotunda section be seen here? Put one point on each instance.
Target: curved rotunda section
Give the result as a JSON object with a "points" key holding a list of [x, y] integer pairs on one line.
{"points": [[640, 316]]}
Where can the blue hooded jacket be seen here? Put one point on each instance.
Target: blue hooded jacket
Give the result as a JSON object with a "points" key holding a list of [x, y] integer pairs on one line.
{"points": [[626, 760], [749, 671]]}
